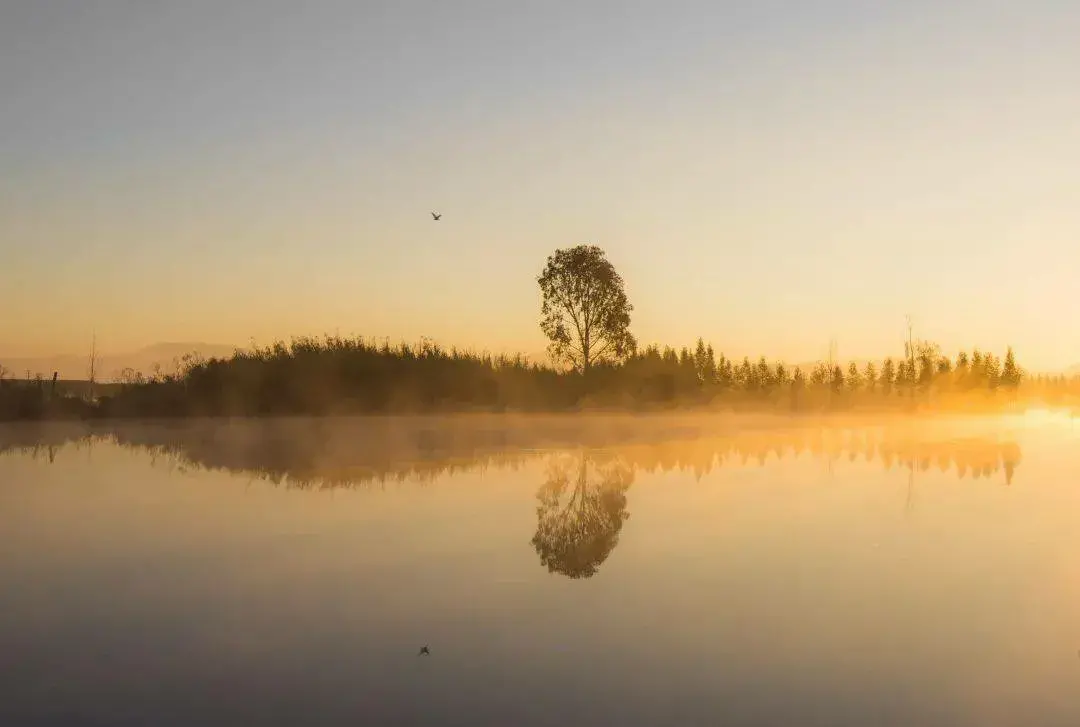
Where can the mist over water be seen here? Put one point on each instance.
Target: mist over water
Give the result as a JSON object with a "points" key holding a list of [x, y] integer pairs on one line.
{"points": [[563, 570]]}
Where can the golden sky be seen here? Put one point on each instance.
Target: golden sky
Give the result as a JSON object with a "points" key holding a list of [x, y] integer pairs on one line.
{"points": [[766, 178]]}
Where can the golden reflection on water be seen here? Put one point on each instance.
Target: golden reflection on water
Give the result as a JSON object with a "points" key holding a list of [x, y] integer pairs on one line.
{"points": [[306, 453], [709, 564], [589, 465]]}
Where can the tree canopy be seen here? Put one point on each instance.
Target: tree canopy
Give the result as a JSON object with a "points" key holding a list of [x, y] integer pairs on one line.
{"points": [[585, 312]]}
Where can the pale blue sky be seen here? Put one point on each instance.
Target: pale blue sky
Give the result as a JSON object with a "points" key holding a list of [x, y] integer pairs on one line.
{"points": [[765, 174]]}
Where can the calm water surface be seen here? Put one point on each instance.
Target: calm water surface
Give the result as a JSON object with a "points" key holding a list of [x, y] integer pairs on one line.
{"points": [[563, 572]]}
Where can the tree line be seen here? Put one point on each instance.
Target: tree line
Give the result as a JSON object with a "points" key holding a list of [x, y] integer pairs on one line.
{"points": [[595, 362], [337, 375]]}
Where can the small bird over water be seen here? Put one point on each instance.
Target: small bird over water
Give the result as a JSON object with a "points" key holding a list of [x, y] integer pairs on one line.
{"points": [[424, 650], [436, 216]]}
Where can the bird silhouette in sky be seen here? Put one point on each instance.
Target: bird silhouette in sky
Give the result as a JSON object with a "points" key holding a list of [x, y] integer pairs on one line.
{"points": [[424, 650], [436, 216]]}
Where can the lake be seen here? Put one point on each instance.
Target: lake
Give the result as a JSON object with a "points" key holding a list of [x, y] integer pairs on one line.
{"points": [[601, 570]]}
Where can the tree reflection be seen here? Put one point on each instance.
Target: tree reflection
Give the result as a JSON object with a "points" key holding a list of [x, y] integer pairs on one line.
{"points": [[580, 512], [324, 454]]}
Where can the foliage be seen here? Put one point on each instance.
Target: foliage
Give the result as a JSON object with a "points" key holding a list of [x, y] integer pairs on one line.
{"points": [[586, 316], [585, 313], [353, 375]]}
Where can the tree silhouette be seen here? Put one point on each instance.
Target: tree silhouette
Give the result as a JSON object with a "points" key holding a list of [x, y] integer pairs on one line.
{"points": [[781, 376], [888, 375], [992, 366], [977, 369], [580, 513], [1010, 374], [837, 378], [764, 374], [705, 363], [798, 378], [585, 312], [854, 379], [870, 376], [926, 356]]}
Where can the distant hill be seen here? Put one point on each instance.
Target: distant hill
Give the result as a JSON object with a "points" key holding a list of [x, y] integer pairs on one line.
{"points": [[109, 366]]}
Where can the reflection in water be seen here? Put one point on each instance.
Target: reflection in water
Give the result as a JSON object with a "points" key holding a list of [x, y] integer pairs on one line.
{"points": [[581, 510], [772, 592], [581, 505], [346, 453]]}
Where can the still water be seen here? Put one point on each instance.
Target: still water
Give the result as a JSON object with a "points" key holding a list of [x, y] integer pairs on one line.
{"points": [[592, 571]]}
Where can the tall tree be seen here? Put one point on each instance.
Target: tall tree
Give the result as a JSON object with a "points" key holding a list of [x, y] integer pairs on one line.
{"points": [[837, 378], [926, 358], [585, 312], [888, 375], [854, 380], [870, 375], [781, 377], [977, 375], [705, 361], [798, 379], [689, 378], [962, 371], [1010, 373], [744, 375], [711, 372], [726, 372], [992, 366], [764, 374]]}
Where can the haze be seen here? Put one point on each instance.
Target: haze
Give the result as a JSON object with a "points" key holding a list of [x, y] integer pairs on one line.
{"points": [[767, 176]]}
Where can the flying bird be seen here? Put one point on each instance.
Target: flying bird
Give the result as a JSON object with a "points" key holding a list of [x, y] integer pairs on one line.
{"points": [[436, 217], [424, 649]]}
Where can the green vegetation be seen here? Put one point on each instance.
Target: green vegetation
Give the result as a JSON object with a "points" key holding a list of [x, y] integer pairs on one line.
{"points": [[597, 364]]}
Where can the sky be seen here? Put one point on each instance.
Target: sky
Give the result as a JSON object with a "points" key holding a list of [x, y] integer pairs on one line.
{"points": [[766, 175]]}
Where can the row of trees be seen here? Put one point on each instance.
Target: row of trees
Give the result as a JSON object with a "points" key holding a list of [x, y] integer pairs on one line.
{"points": [[595, 362], [585, 315], [924, 368], [338, 376], [351, 375]]}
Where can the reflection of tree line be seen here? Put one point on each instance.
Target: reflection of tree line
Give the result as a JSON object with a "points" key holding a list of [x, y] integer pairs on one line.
{"points": [[972, 456], [581, 504], [317, 454]]}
